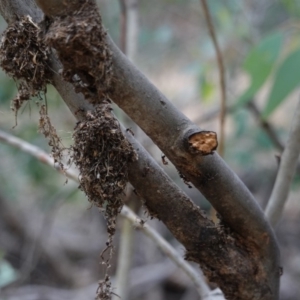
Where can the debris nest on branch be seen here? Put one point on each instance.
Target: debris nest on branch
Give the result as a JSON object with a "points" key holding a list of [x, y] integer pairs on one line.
{"points": [[24, 57], [101, 153], [80, 41]]}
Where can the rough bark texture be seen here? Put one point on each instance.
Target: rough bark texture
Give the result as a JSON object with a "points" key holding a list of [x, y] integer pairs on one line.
{"points": [[241, 254]]}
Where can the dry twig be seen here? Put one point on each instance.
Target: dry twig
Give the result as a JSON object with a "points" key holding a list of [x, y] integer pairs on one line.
{"points": [[287, 167], [222, 75]]}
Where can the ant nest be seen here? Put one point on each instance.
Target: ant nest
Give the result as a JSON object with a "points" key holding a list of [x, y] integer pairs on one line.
{"points": [[80, 42], [24, 57], [101, 153]]}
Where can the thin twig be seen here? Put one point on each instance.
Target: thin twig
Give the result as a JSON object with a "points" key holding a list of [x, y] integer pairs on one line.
{"points": [[287, 167], [222, 75], [269, 130], [266, 126], [37, 153], [126, 212], [129, 36], [124, 260]]}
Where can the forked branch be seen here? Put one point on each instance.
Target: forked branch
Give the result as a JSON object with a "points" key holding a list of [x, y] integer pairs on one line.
{"points": [[242, 256]]}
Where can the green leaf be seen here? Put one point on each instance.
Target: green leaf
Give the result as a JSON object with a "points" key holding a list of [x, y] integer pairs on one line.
{"points": [[259, 64], [286, 80]]}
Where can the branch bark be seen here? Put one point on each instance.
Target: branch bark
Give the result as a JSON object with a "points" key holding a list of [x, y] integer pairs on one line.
{"points": [[169, 129], [244, 263]]}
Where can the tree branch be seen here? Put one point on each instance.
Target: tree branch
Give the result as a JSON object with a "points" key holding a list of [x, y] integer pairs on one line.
{"points": [[204, 242], [169, 128], [287, 167], [129, 36]]}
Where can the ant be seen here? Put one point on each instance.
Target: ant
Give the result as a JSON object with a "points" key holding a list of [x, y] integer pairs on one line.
{"points": [[163, 159], [129, 130], [185, 180]]}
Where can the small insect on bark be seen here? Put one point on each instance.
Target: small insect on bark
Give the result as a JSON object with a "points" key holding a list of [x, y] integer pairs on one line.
{"points": [[163, 159], [185, 180], [77, 124], [129, 130]]}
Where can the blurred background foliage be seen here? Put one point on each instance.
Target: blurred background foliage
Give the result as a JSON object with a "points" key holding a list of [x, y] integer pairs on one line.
{"points": [[260, 42]]}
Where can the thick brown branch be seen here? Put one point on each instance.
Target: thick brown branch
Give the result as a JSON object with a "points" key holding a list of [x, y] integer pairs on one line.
{"points": [[167, 127]]}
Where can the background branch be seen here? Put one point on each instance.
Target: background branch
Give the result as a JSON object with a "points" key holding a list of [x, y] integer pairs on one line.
{"points": [[287, 167], [221, 68], [129, 37], [265, 125]]}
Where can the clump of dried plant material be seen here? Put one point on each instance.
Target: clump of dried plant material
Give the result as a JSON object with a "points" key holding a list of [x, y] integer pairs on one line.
{"points": [[104, 290], [101, 152], [80, 41], [49, 131], [24, 57]]}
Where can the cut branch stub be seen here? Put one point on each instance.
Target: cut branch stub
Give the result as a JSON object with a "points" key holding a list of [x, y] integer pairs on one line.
{"points": [[202, 142]]}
